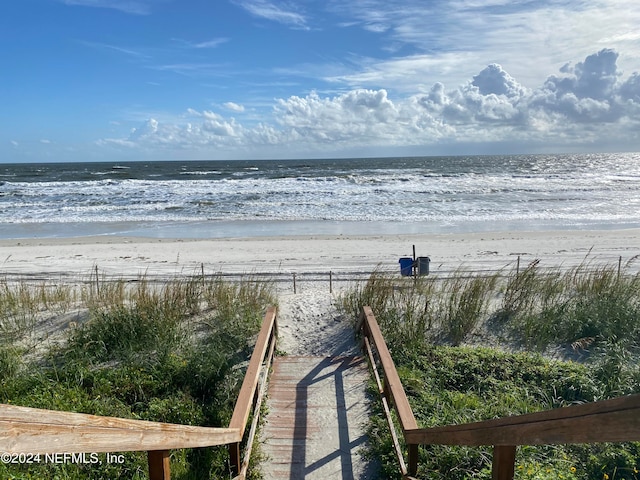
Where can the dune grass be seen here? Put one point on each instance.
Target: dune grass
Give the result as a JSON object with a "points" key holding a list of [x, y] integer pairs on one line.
{"points": [[168, 351], [533, 311]]}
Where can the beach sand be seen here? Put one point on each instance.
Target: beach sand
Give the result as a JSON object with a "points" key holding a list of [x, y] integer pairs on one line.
{"points": [[308, 254]]}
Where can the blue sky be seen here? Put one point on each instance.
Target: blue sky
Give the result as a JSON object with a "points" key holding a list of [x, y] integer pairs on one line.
{"points": [[119, 80]]}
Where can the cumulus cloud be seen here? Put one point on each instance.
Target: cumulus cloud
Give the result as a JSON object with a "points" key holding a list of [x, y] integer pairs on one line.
{"points": [[581, 103], [591, 91], [494, 80]]}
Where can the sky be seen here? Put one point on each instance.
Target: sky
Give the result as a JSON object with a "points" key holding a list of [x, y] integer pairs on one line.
{"points": [[126, 80]]}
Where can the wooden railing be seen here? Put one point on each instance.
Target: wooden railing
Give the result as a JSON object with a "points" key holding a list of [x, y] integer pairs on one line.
{"points": [[391, 390], [615, 420], [29, 431], [252, 392]]}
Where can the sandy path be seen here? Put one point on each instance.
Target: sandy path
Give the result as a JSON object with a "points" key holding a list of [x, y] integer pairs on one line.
{"points": [[309, 322], [317, 401]]}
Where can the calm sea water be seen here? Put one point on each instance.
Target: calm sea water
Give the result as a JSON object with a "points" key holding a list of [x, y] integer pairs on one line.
{"points": [[390, 195]]}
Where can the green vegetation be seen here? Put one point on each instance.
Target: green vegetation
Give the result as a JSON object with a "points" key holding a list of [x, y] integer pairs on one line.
{"points": [[167, 352], [594, 308]]}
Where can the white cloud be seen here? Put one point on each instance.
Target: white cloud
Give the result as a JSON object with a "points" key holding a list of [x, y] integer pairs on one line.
{"points": [[583, 104], [136, 7], [234, 107], [14, 143], [213, 43], [407, 73], [281, 12], [195, 69], [591, 91], [494, 80], [521, 36], [104, 46]]}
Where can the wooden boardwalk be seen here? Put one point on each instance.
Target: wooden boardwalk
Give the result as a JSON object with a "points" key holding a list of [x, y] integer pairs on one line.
{"points": [[317, 411]]}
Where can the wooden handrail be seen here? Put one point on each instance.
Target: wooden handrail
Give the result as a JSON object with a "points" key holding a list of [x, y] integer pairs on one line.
{"points": [[252, 390], [614, 420], [32, 431], [391, 390], [244, 402], [392, 381]]}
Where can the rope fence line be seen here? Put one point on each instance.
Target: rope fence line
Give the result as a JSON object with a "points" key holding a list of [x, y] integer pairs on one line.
{"points": [[295, 277]]}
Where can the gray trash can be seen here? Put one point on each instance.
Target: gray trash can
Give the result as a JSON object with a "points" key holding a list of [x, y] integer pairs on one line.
{"points": [[423, 265]]}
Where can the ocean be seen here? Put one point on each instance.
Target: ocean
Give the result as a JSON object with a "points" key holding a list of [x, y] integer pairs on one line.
{"points": [[214, 199]]}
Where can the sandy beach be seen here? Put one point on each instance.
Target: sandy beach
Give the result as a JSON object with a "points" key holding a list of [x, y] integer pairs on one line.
{"points": [[54, 257]]}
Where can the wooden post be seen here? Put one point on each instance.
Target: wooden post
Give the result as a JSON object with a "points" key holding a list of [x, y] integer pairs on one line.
{"points": [[330, 281], [235, 458], [412, 467], [504, 462], [414, 270], [518, 266], [159, 465], [294, 283], [97, 282], [619, 265]]}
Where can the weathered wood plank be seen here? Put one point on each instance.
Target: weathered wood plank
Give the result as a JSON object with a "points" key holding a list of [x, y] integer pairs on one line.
{"points": [[32, 430], [392, 380], [387, 411], [244, 402], [615, 420]]}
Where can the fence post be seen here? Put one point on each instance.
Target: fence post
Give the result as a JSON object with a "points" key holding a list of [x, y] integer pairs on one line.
{"points": [[412, 467], [619, 265], [158, 461], [236, 459], [97, 281], [504, 462]]}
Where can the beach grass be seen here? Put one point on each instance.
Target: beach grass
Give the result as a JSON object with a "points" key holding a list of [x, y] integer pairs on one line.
{"points": [[169, 351], [590, 312]]}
